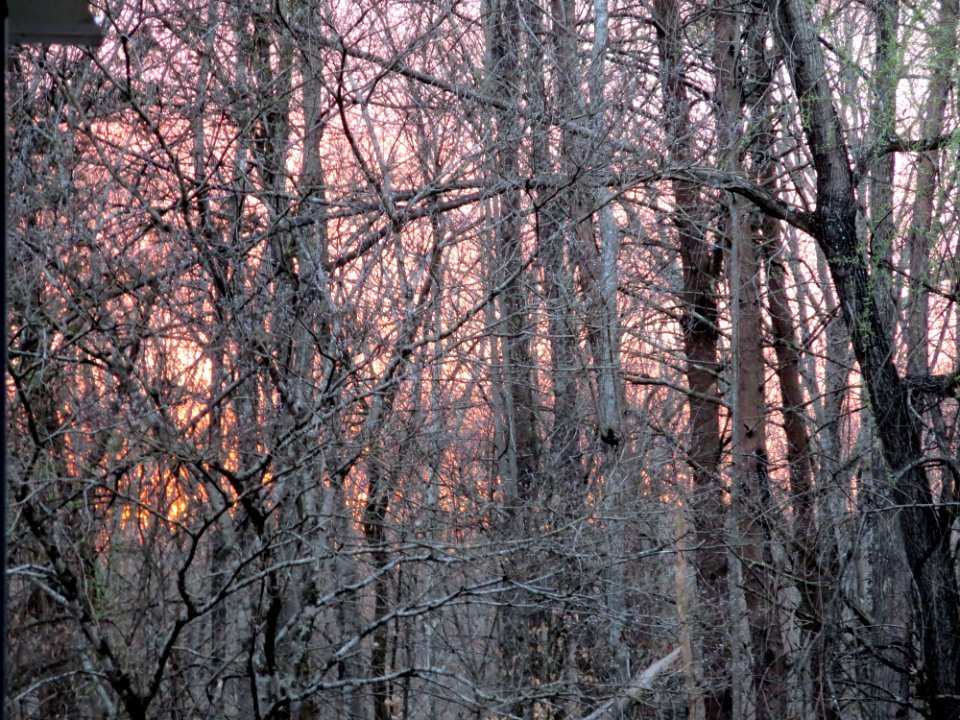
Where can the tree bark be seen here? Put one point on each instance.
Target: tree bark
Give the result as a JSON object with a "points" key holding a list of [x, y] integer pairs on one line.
{"points": [[919, 236], [701, 263], [521, 460], [924, 527], [750, 498]]}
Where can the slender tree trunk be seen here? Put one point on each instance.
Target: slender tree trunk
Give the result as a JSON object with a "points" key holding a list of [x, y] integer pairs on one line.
{"points": [[806, 680], [883, 116], [885, 573], [920, 234], [751, 491], [522, 452], [701, 263]]}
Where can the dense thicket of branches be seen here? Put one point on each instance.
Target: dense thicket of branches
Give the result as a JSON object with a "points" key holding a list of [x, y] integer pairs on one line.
{"points": [[502, 358]]}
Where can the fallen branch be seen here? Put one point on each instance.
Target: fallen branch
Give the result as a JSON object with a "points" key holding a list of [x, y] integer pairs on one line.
{"points": [[635, 689]]}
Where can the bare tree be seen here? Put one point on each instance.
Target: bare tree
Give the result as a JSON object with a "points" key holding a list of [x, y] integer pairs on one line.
{"points": [[524, 358]]}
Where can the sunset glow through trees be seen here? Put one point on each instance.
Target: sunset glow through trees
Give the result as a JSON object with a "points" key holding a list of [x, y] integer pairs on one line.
{"points": [[486, 358]]}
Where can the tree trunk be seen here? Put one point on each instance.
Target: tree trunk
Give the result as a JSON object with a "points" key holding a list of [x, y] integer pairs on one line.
{"points": [[701, 263], [751, 501], [919, 236], [924, 528], [521, 459]]}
